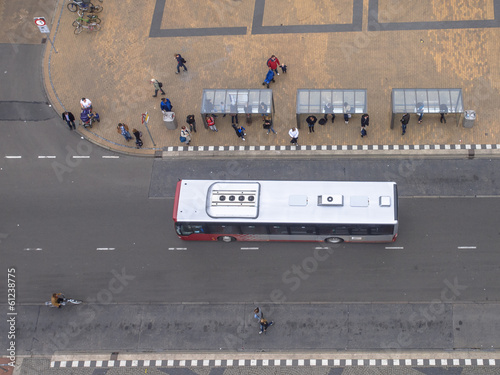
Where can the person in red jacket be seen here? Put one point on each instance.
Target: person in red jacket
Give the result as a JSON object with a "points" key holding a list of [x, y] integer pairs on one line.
{"points": [[273, 64]]}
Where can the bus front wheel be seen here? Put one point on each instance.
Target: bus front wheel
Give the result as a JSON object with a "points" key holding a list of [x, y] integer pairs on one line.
{"points": [[334, 240], [226, 239]]}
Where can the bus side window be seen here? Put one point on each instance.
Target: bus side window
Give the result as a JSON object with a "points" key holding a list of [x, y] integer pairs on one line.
{"points": [[187, 229], [278, 229], [224, 229], [302, 229], [253, 229]]}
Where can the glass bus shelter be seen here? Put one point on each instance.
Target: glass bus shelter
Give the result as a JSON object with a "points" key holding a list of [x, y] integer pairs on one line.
{"points": [[427, 101], [314, 101], [227, 101]]}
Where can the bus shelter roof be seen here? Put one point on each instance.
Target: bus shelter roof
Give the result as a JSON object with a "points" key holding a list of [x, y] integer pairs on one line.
{"points": [[427, 101], [237, 101], [313, 101]]}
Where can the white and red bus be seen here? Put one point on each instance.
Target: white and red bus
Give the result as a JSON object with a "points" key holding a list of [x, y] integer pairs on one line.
{"points": [[331, 211]]}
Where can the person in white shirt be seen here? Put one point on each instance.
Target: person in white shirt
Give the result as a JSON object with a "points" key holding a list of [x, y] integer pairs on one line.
{"points": [[86, 103], [294, 134]]}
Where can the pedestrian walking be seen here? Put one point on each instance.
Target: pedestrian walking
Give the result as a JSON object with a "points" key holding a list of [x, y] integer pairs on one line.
{"points": [[443, 110], [311, 120], [365, 120], [363, 132], [86, 104], [158, 87], [347, 110], [269, 78], [240, 131], [420, 111], [191, 122], [210, 123], [264, 325], [294, 134], [180, 63], [166, 105], [329, 111], [257, 314], [123, 130], [185, 135], [273, 64], [70, 119], [268, 124], [404, 121], [138, 141]]}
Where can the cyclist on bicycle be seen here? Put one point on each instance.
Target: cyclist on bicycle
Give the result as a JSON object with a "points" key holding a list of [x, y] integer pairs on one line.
{"points": [[57, 299]]}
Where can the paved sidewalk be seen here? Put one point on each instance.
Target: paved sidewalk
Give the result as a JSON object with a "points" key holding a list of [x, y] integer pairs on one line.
{"points": [[434, 45]]}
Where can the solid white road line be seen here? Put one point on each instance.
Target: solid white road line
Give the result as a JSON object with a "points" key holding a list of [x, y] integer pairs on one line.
{"points": [[177, 248], [46, 157], [110, 157], [32, 248], [105, 248], [13, 156], [394, 247], [80, 156], [249, 248], [467, 247]]}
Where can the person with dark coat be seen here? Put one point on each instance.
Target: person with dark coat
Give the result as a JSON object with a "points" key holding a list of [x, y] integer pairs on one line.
{"points": [[365, 120], [70, 119], [269, 78], [137, 134], [443, 110], [404, 121], [311, 120], [329, 111], [240, 131], [180, 63], [191, 122]]}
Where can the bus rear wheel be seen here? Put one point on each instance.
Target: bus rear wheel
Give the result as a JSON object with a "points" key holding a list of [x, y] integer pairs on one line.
{"points": [[226, 238], [334, 240]]}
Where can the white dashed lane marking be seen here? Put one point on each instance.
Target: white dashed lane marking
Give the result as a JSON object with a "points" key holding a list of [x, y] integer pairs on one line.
{"points": [[81, 157], [13, 157], [110, 157], [177, 248], [394, 247], [46, 157], [249, 248], [105, 248], [32, 248], [467, 247]]}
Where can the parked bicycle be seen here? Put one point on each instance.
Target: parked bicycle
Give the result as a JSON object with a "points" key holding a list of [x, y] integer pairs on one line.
{"points": [[79, 26], [75, 5], [86, 20], [59, 300]]}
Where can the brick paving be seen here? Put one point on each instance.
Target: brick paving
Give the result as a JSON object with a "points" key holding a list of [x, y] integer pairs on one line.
{"points": [[113, 67]]}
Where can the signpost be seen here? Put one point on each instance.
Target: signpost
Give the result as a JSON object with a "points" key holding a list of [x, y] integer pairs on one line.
{"points": [[44, 29]]}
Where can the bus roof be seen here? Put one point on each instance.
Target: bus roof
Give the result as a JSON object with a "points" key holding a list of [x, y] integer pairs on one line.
{"points": [[287, 202]]}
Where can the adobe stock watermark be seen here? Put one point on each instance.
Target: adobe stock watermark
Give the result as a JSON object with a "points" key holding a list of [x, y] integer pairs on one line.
{"points": [[292, 278], [88, 311], [421, 321], [72, 160]]}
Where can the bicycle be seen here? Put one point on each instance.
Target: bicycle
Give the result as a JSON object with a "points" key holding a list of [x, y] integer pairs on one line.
{"points": [[91, 18], [64, 301], [75, 5], [90, 27]]}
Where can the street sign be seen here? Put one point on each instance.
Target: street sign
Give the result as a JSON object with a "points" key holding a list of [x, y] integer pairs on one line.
{"points": [[42, 25]]}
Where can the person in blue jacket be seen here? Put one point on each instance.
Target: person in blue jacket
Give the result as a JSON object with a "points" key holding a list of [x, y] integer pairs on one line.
{"points": [[166, 105], [269, 78]]}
